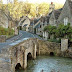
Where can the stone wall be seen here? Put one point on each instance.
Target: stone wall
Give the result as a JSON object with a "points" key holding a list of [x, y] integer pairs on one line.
{"points": [[64, 44], [2, 38], [46, 48]]}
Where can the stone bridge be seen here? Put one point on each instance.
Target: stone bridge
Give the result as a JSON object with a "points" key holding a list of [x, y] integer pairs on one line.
{"points": [[17, 54]]}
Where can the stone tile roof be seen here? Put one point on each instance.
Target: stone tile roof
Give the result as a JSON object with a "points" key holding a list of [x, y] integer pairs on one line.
{"points": [[37, 26], [48, 17], [25, 25], [70, 4], [24, 18], [57, 13], [31, 23], [35, 21]]}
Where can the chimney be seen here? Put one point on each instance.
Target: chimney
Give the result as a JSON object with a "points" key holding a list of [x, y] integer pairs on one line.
{"points": [[51, 2]]}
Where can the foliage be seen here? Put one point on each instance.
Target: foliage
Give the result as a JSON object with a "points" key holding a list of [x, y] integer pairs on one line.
{"points": [[50, 29], [43, 9], [55, 40], [18, 9], [40, 35], [62, 31], [6, 31]]}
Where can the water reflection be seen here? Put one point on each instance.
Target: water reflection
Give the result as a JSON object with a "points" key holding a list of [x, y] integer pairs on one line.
{"points": [[47, 63]]}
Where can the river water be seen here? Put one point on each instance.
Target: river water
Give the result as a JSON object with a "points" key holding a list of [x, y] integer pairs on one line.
{"points": [[49, 63]]}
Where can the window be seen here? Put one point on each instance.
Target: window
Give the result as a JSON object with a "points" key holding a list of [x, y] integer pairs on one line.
{"points": [[40, 26], [66, 21]]}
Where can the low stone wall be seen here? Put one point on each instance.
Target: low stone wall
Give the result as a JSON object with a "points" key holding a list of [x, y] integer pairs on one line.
{"points": [[47, 47], [2, 38], [67, 53], [57, 49]]}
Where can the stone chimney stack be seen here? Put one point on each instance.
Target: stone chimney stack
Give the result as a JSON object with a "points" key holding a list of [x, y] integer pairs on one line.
{"points": [[51, 7]]}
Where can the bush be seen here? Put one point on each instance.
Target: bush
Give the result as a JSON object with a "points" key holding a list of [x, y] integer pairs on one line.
{"points": [[55, 40], [40, 35], [62, 31], [6, 31]]}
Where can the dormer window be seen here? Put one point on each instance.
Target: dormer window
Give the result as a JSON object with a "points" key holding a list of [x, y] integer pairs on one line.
{"points": [[65, 20]]}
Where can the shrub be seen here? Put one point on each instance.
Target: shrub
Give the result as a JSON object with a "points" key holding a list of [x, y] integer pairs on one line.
{"points": [[55, 40], [6, 31], [62, 31]]}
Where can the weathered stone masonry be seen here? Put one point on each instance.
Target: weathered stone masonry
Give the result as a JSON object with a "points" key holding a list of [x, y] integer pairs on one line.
{"points": [[12, 55]]}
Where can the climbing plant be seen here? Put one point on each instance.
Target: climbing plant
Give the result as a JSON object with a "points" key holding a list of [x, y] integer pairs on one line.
{"points": [[62, 31]]}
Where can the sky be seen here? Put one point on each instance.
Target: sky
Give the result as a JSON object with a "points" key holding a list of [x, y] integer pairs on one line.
{"points": [[39, 1]]}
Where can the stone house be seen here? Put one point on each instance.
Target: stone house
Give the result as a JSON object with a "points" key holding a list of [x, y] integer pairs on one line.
{"points": [[31, 27], [43, 22], [48, 20], [54, 17], [61, 16], [24, 23], [7, 22], [37, 27], [45, 33], [66, 14]]}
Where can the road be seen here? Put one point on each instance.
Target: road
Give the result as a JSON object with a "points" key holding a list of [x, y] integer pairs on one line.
{"points": [[22, 35]]}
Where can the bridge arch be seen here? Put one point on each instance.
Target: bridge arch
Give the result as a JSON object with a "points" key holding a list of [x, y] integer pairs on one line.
{"points": [[29, 56], [51, 53], [18, 66]]}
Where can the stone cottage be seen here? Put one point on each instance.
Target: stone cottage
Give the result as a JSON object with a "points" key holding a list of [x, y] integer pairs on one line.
{"points": [[61, 16], [36, 26], [39, 25], [31, 26], [48, 20], [7, 22], [66, 14], [54, 17], [24, 23]]}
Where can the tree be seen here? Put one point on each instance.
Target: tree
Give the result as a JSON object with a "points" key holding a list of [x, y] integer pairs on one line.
{"points": [[43, 9], [27, 8]]}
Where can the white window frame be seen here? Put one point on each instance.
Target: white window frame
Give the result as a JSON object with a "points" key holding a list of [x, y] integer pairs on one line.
{"points": [[65, 20]]}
